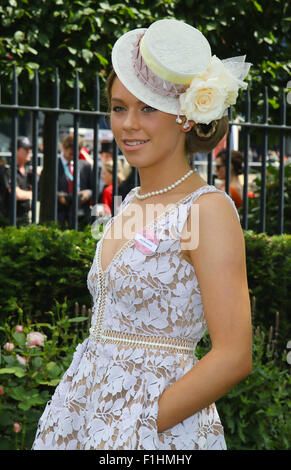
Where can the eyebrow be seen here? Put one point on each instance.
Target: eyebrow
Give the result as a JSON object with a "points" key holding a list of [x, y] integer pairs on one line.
{"points": [[119, 100]]}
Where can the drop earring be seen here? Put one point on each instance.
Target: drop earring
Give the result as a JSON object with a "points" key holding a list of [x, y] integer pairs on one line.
{"points": [[179, 120], [186, 125]]}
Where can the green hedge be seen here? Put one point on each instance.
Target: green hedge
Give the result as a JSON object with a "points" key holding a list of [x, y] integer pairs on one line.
{"points": [[272, 198], [43, 273], [255, 413], [40, 265], [269, 279]]}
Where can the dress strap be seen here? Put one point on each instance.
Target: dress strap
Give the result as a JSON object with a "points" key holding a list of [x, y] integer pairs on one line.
{"points": [[212, 189], [184, 208], [127, 199]]}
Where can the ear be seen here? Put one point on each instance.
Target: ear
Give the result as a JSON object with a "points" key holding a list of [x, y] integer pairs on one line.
{"points": [[186, 125]]}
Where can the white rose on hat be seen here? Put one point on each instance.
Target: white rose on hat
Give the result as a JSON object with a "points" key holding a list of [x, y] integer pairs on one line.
{"points": [[204, 101], [210, 93]]}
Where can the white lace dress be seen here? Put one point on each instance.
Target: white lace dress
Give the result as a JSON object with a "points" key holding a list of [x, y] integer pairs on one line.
{"points": [[147, 320]]}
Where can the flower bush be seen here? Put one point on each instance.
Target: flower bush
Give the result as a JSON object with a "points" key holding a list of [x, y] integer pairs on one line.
{"points": [[254, 413], [58, 263], [33, 361], [37, 346]]}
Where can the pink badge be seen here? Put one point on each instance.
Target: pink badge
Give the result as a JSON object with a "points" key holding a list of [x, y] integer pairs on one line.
{"points": [[146, 241]]}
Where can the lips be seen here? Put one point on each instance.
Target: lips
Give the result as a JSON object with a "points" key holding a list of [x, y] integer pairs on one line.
{"points": [[134, 143]]}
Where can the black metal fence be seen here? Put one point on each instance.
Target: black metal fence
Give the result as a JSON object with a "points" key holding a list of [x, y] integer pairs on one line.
{"points": [[14, 108]]}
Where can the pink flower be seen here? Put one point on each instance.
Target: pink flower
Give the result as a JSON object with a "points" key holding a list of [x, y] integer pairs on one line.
{"points": [[1, 390], [22, 360], [18, 329], [35, 339], [16, 427], [9, 346]]}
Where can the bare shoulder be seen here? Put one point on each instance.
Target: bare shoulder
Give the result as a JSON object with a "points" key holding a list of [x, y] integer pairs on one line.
{"points": [[218, 233], [217, 208]]}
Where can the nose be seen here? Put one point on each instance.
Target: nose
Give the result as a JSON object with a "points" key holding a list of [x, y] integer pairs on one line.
{"points": [[131, 120]]}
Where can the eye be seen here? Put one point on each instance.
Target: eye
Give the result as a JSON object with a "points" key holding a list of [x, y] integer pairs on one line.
{"points": [[148, 109], [117, 109]]}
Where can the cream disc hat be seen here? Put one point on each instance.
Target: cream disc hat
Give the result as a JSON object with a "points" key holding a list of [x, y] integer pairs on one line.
{"points": [[165, 64]]}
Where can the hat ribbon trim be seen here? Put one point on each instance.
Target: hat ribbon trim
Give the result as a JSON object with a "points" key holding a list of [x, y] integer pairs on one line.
{"points": [[159, 69], [150, 79]]}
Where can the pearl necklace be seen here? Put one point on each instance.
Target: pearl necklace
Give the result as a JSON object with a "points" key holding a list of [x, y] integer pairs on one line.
{"points": [[161, 191]]}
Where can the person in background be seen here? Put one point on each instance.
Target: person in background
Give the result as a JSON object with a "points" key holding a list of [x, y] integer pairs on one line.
{"points": [[235, 186], [84, 154], [107, 176], [128, 184], [65, 185], [23, 186], [4, 194], [106, 155]]}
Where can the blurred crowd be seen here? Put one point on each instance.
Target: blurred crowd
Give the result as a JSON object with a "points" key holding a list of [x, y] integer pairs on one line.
{"points": [[85, 180], [104, 183]]}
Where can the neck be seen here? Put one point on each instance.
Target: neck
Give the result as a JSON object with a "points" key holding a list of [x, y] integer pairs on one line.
{"points": [[234, 178], [21, 167], [161, 176]]}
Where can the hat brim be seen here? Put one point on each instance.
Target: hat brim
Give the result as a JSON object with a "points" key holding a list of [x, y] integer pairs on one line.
{"points": [[123, 66]]}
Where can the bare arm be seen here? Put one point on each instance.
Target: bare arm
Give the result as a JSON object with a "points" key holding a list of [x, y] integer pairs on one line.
{"points": [[220, 265], [22, 194]]}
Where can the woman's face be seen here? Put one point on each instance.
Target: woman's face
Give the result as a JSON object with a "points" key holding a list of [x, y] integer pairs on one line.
{"points": [[220, 169], [106, 176], [144, 135]]}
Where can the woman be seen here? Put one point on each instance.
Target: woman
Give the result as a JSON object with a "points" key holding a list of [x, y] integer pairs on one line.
{"points": [[107, 175], [135, 383], [235, 187]]}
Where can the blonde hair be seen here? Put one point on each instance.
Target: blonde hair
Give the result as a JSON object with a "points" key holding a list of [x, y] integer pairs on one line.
{"points": [[122, 170], [193, 142]]}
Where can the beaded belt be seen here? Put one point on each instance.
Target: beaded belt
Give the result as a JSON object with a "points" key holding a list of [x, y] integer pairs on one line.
{"points": [[148, 342]]}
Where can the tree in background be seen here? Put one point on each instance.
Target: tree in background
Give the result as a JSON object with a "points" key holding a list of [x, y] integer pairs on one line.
{"points": [[259, 29], [77, 35], [72, 36]]}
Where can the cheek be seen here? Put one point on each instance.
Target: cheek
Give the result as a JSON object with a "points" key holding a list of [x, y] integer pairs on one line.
{"points": [[116, 126], [108, 177]]}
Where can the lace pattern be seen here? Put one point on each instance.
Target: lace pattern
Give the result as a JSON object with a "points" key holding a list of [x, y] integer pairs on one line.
{"points": [[147, 319]]}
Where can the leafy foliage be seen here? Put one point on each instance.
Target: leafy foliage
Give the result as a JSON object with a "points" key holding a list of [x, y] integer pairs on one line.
{"points": [[41, 264], [254, 413], [269, 275], [259, 29], [40, 34], [28, 376], [272, 201]]}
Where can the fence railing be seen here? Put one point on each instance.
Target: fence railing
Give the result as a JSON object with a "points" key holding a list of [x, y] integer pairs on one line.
{"points": [[14, 108]]}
